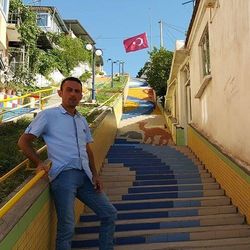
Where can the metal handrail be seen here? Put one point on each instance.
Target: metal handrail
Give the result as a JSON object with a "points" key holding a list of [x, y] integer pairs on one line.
{"points": [[37, 102], [7, 206], [27, 95], [20, 165]]}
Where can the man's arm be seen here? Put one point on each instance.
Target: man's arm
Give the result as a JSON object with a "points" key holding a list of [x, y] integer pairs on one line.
{"points": [[25, 144], [96, 178]]}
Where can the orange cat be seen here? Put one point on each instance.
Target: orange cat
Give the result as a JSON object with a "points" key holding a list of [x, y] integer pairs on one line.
{"points": [[153, 132]]}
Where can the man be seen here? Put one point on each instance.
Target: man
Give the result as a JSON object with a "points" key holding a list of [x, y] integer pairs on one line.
{"points": [[73, 173]]}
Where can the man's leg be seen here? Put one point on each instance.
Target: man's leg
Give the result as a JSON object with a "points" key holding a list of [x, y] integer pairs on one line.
{"points": [[100, 204], [64, 191]]}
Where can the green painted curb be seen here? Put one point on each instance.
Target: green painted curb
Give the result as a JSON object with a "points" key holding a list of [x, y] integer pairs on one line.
{"points": [[17, 231]]}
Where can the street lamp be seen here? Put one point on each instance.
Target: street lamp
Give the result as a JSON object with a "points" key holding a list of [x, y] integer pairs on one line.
{"points": [[121, 63], [112, 71], [95, 52]]}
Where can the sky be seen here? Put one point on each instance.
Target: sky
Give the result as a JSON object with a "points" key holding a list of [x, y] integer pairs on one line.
{"points": [[109, 22]]}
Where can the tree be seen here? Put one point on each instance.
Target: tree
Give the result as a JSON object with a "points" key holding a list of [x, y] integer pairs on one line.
{"points": [[69, 52], [157, 70]]}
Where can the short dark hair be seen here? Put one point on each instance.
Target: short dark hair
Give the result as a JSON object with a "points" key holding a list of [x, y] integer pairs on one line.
{"points": [[70, 78]]}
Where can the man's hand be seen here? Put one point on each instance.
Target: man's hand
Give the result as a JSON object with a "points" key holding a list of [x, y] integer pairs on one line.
{"points": [[42, 166], [97, 183]]}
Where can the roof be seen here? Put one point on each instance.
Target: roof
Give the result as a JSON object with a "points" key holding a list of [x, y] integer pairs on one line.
{"points": [[78, 30], [197, 3]]}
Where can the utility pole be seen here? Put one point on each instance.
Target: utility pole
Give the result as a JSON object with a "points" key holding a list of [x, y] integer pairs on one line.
{"points": [[150, 31], [161, 35]]}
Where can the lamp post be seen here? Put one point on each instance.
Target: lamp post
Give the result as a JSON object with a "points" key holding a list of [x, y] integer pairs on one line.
{"points": [[121, 63], [112, 71], [95, 52]]}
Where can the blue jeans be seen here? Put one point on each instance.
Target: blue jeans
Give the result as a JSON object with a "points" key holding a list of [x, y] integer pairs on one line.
{"points": [[75, 183]]}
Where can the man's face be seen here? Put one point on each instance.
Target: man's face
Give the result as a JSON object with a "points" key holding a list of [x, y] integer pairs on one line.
{"points": [[71, 94]]}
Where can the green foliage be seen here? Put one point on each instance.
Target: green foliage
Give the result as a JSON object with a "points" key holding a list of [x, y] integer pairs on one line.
{"points": [[69, 53], [157, 70], [46, 62], [143, 70], [10, 184], [10, 155], [29, 32], [85, 76]]}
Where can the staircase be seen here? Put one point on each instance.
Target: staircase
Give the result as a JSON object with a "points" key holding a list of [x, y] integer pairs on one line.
{"points": [[165, 199]]}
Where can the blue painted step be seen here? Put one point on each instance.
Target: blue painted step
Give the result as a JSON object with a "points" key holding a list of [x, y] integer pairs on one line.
{"points": [[145, 215], [164, 188], [190, 194], [170, 237], [167, 182], [157, 204], [166, 176], [142, 226]]}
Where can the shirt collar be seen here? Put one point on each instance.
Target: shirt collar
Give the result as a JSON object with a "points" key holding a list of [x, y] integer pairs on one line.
{"points": [[64, 111]]}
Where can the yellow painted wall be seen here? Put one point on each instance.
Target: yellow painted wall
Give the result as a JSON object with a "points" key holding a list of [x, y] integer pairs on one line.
{"points": [[229, 175], [41, 232]]}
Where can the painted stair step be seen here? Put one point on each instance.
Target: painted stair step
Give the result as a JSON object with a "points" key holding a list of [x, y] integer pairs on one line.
{"points": [[149, 167], [130, 179], [131, 156], [158, 182], [141, 165], [171, 176], [171, 182], [156, 167], [218, 244], [118, 170], [165, 195], [168, 203], [156, 177], [167, 237], [162, 195], [145, 150], [147, 158], [168, 230], [151, 189], [137, 161], [122, 170], [175, 222], [160, 213], [167, 164], [187, 187], [203, 220]]}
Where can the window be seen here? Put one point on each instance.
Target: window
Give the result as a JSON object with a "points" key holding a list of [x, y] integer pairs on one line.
{"points": [[42, 20], [205, 55]]}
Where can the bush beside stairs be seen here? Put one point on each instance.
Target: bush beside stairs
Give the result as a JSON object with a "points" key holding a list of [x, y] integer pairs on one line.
{"points": [[166, 199]]}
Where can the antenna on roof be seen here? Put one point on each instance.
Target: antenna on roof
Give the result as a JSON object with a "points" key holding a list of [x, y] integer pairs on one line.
{"points": [[189, 2]]}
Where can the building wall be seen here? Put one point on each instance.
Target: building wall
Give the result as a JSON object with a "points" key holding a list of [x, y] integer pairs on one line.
{"points": [[4, 10], [221, 110]]}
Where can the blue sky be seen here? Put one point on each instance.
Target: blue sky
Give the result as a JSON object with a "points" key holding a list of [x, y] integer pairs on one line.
{"points": [[109, 22]]}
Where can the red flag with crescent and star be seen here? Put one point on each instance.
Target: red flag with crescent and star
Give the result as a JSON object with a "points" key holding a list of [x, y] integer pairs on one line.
{"points": [[136, 43]]}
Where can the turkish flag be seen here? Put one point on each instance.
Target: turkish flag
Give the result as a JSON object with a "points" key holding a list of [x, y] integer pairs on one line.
{"points": [[136, 43]]}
